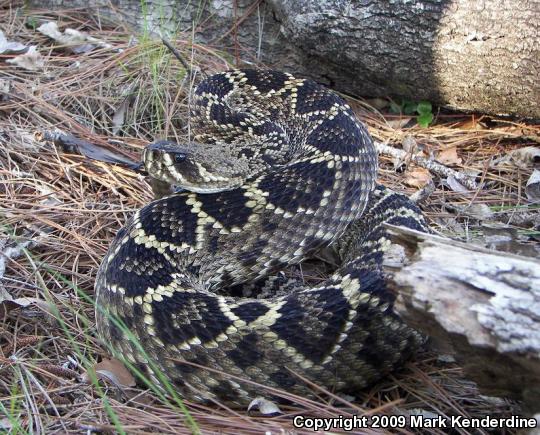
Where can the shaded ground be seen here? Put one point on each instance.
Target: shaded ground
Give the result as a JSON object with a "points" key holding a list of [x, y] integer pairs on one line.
{"points": [[65, 208]]}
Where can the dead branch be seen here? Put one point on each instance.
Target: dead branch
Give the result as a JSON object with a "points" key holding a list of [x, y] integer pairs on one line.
{"points": [[484, 304], [74, 145]]}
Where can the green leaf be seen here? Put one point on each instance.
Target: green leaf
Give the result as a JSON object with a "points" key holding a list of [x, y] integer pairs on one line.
{"points": [[424, 107], [409, 107], [32, 23], [395, 107], [424, 119]]}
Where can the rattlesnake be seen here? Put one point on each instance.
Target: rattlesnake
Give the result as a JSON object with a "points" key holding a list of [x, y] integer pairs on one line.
{"points": [[278, 168]]}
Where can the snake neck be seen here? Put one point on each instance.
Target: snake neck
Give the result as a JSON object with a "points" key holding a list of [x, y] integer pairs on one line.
{"points": [[310, 168]]}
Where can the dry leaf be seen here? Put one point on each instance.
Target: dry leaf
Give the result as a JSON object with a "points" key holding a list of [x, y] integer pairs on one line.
{"points": [[409, 144], [522, 158], [71, 144], [501, 237], [455, 185], [10, 252], [419, 411], [7, 252], [399, 122], [532, 189], [48, 308], [472, 124], [138, 397], [265, 407], [7, 304], [48, 194], [119, 116], [113, 371], [10, 47], [527, 156], [77, 42], [423, 193], [477, 211], [449, 157], [378, 103], [31, 60], [417, 177], [5, 88], [402, 160]]}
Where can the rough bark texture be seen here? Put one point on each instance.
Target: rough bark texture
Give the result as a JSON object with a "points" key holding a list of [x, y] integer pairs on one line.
{"points": [[466, 54], [479, 55], [486, 304]]}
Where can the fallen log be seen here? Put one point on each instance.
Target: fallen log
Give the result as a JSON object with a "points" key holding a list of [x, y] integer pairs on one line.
{"points": [[464, 54], [483, 305]]}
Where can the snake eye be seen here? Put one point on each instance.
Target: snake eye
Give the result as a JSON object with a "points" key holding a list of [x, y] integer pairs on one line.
{"points": [[179, 157]]}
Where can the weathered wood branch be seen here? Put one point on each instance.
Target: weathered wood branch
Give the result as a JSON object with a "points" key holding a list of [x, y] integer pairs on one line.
{"points": [[485, 304]]}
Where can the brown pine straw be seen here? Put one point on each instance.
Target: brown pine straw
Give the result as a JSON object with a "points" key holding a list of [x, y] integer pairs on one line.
{"points": [[71, 207]]}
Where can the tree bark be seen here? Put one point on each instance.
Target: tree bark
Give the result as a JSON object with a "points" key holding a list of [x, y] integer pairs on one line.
{"points": [[465, 54], [470, 55], [485, 304]]}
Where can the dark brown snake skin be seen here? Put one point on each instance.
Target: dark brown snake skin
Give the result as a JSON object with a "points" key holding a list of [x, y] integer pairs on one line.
{"points": [[297, 175]]}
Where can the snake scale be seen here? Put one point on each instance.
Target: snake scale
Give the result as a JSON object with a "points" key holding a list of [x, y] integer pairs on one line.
{"points": [[278, 168]]}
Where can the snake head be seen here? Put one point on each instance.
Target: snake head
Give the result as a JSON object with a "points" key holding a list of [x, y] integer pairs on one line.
{"points": [[193, 166]]}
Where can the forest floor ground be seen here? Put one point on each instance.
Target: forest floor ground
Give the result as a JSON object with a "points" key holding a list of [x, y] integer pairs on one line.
{"points": [[59, 211]]}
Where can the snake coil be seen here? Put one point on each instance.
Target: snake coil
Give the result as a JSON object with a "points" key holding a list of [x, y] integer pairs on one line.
{"points": [[279, 168]]}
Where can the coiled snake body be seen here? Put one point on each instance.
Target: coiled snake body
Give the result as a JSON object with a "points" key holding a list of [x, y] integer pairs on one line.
{"points": [[278, 169]]}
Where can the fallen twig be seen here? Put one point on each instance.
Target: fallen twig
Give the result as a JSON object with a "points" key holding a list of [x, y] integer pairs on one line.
{"points": [[426, 163], [181, 59], [72, 144]]}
